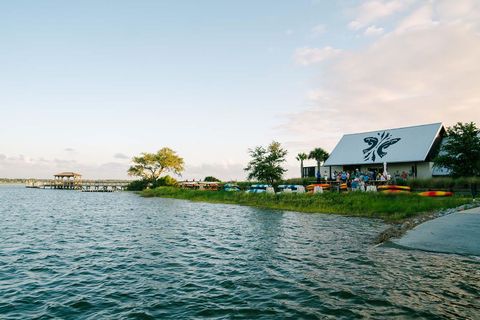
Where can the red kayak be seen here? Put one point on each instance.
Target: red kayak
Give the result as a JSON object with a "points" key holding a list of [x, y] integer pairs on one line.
{"points": [[436, 194]]}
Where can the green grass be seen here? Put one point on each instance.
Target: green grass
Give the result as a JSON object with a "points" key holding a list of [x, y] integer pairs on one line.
{"points": [[375, 205]]}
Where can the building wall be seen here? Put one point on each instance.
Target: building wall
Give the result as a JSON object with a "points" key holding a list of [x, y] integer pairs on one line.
{"points": [[423, 169], [311, 171], [398, 168]]}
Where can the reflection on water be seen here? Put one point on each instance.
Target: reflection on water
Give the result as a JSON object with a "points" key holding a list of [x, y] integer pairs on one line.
{"points": [[72, 255]]}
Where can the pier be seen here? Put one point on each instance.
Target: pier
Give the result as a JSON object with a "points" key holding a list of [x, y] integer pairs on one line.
{"points": [[74, 181]]}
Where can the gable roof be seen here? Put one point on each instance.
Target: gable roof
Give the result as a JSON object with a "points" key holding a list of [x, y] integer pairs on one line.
{"points": [[68, 174], [408, 144]]}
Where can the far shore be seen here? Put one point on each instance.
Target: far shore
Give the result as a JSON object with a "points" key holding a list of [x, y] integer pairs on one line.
{"points": [[388, 207]]}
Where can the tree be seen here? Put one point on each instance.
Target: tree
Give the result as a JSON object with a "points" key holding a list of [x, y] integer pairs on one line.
{"points": [[139, 185], [266, 163], [460, 152], [301, 157], [211, 179], [150, 166], [320, 156]]}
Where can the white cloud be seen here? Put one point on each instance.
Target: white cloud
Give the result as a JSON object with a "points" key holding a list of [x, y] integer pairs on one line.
{"points": [[420, 18], [426, 71], [373, 31], [306, 56], [120, 156], [459, 10], [355, 25], [375, 10], [25, 167]]}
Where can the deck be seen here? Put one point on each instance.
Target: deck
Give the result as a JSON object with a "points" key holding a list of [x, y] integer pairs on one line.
{"points": [[83, 185]]}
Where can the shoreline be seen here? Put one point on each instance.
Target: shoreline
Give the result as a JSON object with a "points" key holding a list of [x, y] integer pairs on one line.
{"points": [[398, 229], [390, 208]]}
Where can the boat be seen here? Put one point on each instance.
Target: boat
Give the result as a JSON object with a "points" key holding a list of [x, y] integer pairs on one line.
{"points": [[231, 187], [324, 186], [436, 194], [259, 188], [291, 188], [394, 191], [200, 185], [393, 187]]}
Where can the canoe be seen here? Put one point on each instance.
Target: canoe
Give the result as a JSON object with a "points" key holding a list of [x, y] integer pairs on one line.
{"points": [[436, 194], [393, 187], [394, 191], [310, 187]]}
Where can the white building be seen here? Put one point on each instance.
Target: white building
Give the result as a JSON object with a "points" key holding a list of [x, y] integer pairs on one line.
{"points": [[409, 149]]}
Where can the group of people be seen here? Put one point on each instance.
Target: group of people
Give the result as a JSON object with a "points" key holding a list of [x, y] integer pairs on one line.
{"points": [[359, 180], [360, 176]]}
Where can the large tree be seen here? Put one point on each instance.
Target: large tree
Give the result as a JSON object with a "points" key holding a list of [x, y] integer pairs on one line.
{"points": [[266, 163], [460, 152], [150, 166], [319, 155], [301, 157]]}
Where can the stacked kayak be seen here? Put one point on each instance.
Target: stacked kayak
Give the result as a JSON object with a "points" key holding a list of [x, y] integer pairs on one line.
{"points": [[324, 186], [436, 194], [392, 188], [311, 187]]}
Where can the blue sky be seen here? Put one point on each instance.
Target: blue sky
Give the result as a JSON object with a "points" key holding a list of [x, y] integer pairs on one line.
{"points": [[86, 85]]}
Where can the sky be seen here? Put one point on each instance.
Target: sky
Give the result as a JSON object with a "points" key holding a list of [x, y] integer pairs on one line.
{"points": [[87, 85]]}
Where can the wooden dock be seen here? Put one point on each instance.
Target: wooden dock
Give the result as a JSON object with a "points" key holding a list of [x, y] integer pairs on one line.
{"points": [[82, 185]]}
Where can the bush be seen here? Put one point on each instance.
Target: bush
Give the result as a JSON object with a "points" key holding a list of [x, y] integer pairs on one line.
{"points": [[166, 181], [139, 185], [211, 179], [444, 183]]}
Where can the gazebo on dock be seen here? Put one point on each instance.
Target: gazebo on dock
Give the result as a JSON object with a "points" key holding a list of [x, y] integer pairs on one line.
{"points": [[68, 180]]}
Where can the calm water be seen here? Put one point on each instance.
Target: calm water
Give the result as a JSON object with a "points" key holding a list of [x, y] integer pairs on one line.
{"points": [[74, 255]]}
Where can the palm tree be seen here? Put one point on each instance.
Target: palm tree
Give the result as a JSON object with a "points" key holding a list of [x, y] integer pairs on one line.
{"points": [[301, 157], [320, 156]]}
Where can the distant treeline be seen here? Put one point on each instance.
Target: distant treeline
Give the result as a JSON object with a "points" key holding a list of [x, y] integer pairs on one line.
{"points": [[9, 181]]}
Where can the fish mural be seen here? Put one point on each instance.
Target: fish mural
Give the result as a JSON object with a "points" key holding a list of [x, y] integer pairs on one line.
{"points": [[377, 145]]}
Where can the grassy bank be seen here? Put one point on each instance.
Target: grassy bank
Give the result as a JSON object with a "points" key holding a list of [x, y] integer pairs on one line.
{"points": [[374, 205]]}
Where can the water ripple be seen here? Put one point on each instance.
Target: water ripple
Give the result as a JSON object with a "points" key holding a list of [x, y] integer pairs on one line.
{"points": [[74, 255]]}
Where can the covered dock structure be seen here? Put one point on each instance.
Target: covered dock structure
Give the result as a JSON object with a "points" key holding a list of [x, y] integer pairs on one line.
{"points": [[67, 180], [74, 181]]}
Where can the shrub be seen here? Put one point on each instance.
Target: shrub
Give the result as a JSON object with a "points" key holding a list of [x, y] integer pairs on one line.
{"points": [[446, 183], [211, 179], [139, 185]]}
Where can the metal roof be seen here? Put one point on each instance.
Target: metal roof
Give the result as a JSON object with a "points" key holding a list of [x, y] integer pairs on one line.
{"points": [[408, 144], [68, 174]]}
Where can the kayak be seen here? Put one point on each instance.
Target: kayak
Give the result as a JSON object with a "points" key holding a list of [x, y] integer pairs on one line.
{"points": [[394, 191], [310, 187], [393, 187], [436, 194]]}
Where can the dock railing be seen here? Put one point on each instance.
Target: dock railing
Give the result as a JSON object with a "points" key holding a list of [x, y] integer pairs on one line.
{"points": [[82, 185]]}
